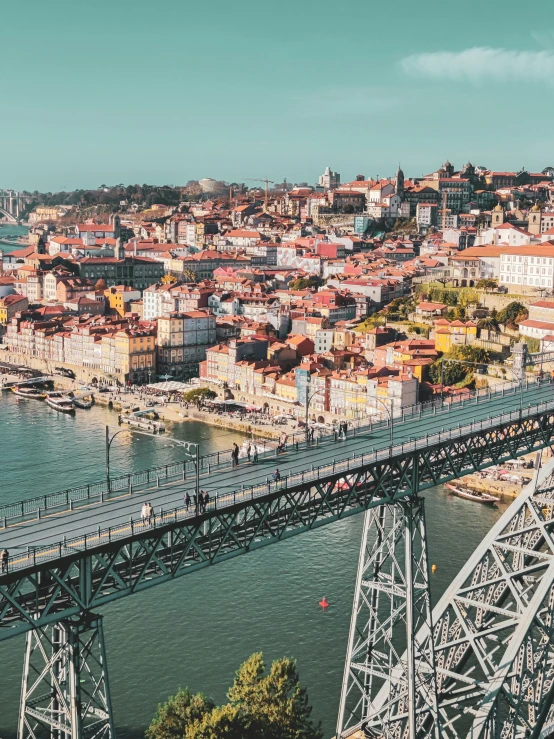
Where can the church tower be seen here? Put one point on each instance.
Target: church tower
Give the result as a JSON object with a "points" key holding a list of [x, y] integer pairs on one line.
{"points": [[399, 183], [497, 216], [534, 220]]}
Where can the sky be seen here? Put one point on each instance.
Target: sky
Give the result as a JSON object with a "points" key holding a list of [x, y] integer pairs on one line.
{"points": [[132, 91]]}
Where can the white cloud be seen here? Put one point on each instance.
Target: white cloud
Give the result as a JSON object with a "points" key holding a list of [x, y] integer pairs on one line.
{"points": [[482, 63]]}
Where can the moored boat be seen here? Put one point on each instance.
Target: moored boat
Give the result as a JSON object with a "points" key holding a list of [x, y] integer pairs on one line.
{"points": [[33, 393], [144, 424], [476, 495], [84, 403], [60, 402]]}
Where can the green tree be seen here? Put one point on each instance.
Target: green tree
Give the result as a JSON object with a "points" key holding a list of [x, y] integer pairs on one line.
{"points": [[223, 722], [487, 284], [261, 706], [305, 283], [513, 313], [273, 706], [198, 394], [178, 713]]}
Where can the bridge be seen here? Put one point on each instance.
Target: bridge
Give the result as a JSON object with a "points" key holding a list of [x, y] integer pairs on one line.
{"points": [[12, 203], [82, 549]]}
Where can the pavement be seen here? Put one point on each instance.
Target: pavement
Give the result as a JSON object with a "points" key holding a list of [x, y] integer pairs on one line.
{"points": [[220, 482]]}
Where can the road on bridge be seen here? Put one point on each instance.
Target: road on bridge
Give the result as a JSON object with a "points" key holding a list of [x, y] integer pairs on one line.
{"points": [[223, 481]]}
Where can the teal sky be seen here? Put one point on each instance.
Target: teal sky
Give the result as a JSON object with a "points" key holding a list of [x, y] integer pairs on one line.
{"points": [[161, 92]]}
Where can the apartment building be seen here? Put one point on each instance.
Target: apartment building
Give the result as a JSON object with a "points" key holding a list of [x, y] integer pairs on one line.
{"points": [[182, 341]]}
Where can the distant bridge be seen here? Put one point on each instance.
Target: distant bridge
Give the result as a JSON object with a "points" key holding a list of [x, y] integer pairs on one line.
{"points": [[12, 203]]}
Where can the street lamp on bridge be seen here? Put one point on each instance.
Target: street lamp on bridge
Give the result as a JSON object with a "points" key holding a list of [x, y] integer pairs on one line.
{"points": [[192, 454], [390, 414]]}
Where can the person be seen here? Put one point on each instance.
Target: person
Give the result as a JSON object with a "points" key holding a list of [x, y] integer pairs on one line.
{"points": [[248, 451], [206, 499], [235, 454], [150, 513], [187, 501], [276, 475], [4, 558], [195, 501], [144, 514], [255, 458]]}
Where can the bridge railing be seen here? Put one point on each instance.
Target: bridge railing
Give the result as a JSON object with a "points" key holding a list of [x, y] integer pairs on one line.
{"points": [[135, 482], [100, 537]]}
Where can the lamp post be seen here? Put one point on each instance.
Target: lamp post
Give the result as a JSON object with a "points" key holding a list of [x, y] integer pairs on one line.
{"points": [[309, 399], [109, 441], [193, 452], [391, 419], [192, 449]]}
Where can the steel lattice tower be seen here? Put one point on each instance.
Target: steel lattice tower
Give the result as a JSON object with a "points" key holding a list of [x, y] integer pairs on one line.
{"points": [[65, 691], [391, 604]]}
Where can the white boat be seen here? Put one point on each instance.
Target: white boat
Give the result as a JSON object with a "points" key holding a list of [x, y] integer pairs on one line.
{"points": [[144, 424], [60, 402], [33, 393], [476, 495]]}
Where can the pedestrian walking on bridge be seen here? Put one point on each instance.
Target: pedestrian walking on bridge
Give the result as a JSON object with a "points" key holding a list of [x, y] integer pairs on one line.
{"points": [[4, 560]]}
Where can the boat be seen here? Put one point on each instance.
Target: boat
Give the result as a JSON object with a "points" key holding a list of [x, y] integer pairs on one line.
{"points": [[32, 393], [144, 424], [60, 402], [85, 402], [476, 495]]}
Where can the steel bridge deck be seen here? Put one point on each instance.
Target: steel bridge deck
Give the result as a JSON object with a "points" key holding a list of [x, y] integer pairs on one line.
{"points": [[52, 529], [68, 577]]}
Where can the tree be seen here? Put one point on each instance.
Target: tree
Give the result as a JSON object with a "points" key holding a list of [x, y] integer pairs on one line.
{"points": [[273, 706], [224, 722], [177, 713], [305, 283], [487, 284], [189, 275], [513, 313], [198, 394]]}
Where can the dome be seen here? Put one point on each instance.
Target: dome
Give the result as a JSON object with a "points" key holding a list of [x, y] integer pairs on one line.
{"points": [[497, 207], [535, 208], [208, 184]]}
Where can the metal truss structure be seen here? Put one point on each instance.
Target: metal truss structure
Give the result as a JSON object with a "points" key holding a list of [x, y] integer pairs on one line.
{"points": [[492, 637], [391, 606], [65, 692], [74, 577], [422, 692]]}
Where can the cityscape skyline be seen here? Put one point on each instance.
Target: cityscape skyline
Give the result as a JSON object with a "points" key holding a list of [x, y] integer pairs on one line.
{"points": [[283, 95]]}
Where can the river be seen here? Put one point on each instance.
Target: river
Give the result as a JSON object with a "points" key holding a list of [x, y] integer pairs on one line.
{"points": [[195, 631], [9, 229]]}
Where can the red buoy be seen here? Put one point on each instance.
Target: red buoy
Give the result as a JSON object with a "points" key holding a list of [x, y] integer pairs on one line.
{"points": [[323, 603]]}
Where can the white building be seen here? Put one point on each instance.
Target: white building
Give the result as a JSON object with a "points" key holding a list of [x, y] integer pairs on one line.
{"points": [[504, 234], [531, 266], [329, 179]]}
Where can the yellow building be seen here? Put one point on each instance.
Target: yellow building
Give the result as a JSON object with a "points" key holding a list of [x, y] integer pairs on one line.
{"points": [[285, 388], [135, 354], [453, 333], [120, 296], [10, 305]]}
